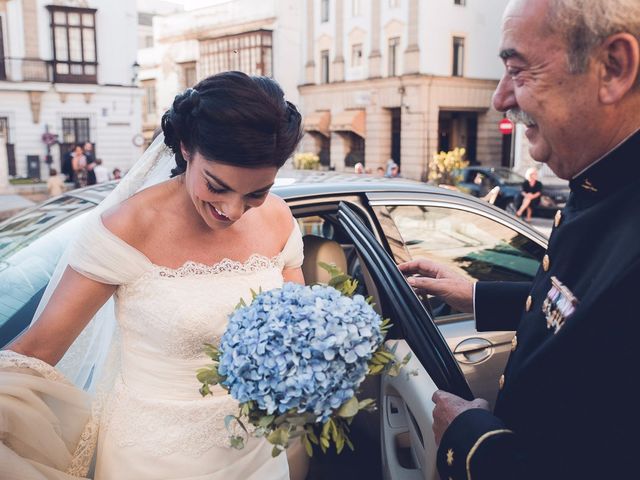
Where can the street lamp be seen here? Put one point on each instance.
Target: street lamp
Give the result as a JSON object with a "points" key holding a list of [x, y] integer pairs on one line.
{"points": [[135, 68]]}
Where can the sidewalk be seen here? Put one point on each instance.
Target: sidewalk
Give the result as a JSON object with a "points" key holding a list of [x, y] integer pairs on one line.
{"points": [[543, 225]]}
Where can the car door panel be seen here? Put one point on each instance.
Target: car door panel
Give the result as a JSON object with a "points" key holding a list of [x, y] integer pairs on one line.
{"points": [[407, 442], [408, 452]]}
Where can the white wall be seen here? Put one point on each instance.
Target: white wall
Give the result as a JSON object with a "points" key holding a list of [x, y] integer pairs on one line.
{"points": [[479, 22], [113, 105], [176, 40], [438, 22]]}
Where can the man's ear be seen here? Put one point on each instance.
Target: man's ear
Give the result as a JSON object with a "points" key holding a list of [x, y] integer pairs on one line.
{"points": [[620, 61]]}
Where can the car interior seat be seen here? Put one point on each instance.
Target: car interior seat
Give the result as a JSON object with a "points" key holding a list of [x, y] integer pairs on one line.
{"points": [[318, 249]]}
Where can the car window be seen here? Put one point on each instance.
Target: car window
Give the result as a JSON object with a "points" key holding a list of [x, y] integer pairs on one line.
{"points": [[21, 230], [475, 246], [316, 225], [30, 248]]}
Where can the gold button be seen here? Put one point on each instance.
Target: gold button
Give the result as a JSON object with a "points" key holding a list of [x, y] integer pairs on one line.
{"points": [[514, 343], [501, 382], [527, 305], [545, 263], [558, 218]]}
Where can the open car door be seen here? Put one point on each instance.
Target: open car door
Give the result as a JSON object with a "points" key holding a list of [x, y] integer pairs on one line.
{"points": [[406, 409]]}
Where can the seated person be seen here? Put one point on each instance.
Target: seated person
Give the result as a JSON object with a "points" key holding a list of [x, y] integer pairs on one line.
{"points": [[531, 192]]}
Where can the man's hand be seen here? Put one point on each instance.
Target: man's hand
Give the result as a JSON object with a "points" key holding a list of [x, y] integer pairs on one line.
{"points": [[437, 280], [448, 407]]}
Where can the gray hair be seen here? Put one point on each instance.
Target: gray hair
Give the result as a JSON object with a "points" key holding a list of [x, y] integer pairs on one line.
{"points": [[585, 24]]}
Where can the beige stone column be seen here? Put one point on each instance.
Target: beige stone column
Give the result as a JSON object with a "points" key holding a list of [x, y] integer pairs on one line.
{"points": [[5, 187], [489, 140], [378, 142], [310, 65], [338, 61], [30, 22], [412, 53], [339, 149], [375, 57]]}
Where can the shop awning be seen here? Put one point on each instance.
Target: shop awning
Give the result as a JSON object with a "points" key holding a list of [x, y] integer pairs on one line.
{"points": [[318, 122], [349, 121]]}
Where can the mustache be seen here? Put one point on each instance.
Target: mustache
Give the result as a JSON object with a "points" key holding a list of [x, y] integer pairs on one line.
{"points": [[519, 116]]}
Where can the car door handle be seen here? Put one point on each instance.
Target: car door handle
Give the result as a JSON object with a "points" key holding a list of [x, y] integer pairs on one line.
{"points": [[473, 350]]}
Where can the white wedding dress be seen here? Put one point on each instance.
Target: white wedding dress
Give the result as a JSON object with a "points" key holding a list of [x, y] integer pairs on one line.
{"points": [[155, 424]]}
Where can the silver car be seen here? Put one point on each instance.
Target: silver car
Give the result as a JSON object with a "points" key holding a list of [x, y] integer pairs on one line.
{"points": [[366, 225]]}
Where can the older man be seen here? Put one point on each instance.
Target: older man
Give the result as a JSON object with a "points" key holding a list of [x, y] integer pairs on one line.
{"points": [[567, 406]]}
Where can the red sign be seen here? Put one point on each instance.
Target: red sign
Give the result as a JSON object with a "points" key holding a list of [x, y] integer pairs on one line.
{"points": [[506, 126]]}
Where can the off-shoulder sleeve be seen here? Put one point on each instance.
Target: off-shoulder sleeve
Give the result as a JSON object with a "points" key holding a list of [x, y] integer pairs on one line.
{"points": [[292, 253], [100, 255]]}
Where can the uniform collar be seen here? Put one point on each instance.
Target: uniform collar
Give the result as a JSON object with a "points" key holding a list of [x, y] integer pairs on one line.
{"points": [[616, 169]]}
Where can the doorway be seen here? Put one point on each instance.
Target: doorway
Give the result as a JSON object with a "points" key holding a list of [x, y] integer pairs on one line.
{"points": [[396, 134], [458, 130]]}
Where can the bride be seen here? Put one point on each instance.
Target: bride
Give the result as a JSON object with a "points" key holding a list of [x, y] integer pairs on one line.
{"points": [[175, 255]]}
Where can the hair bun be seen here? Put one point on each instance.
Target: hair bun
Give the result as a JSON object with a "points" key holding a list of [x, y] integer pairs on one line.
{"points": [[193, 100]]}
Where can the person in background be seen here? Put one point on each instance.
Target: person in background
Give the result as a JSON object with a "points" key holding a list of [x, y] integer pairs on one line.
{"points": [[79, 166], [66, 167], [358, 168], [116, 174], [55, 184], [531, 192], [380, 171], [88, 153], [393, 171], [100, 171]]}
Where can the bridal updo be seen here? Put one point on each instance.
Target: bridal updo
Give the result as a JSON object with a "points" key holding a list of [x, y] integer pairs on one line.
{"points": [[235, 119]]}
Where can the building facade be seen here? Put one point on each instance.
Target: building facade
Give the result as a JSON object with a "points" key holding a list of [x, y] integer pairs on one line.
{"points": [[67, 76], [256, 37], [401, 80]]}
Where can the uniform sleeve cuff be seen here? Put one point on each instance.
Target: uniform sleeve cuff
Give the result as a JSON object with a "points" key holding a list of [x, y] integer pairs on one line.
{"points": [[463, 441]]}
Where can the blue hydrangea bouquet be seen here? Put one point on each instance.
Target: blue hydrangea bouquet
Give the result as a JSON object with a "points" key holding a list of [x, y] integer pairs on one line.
{"points": [[294, 359]]}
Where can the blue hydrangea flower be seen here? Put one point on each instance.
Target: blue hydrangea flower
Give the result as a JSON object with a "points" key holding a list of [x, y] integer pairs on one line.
{"points": [[299, 347]]}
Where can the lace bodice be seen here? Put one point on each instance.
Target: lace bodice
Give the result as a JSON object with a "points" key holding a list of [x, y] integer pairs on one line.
{"points": [[164, 316]]}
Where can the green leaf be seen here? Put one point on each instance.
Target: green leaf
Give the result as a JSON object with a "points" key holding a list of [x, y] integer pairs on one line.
{"points": [[312, 435], [279, 436], [240, 304], [367, 403], [307, 445], [212, 351], [324, 444], [346, 439], [339, 442], [275, 451], [204, 390], [209, 375], [236, 442], [265, 421], [349, 408]]}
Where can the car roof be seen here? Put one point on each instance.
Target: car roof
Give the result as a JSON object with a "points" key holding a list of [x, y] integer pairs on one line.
{"points": [[300, 183]]}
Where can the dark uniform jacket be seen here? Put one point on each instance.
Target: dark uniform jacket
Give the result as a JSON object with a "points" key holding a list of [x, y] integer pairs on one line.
{"points": [[568, 405]]}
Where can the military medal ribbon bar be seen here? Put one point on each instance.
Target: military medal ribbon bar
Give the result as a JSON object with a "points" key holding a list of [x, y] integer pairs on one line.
{"points": [[559, 305]]}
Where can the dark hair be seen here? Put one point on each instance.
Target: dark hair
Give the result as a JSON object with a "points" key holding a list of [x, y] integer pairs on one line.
{"points": [[53, 172], [235, 119]]}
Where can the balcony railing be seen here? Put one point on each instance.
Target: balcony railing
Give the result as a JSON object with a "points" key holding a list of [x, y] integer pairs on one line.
{"points": [[25, 70]]}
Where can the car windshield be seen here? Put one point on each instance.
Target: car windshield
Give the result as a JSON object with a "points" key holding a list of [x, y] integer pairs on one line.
{"points": [[30, 245], [20, 231], [509, 177]]}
